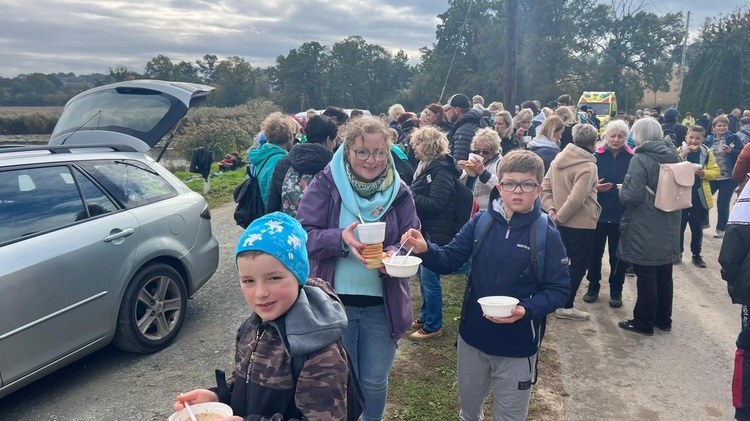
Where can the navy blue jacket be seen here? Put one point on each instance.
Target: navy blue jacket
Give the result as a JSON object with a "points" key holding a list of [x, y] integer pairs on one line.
{"points": [[498, 270], [612, 169]]}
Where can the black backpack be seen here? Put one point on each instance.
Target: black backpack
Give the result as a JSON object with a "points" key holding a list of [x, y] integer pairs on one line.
{"points": [[464, 205], [249, 200], [355, 398], [670, 134]]}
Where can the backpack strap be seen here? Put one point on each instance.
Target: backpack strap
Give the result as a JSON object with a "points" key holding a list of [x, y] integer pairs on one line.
{"points": [[482, 228]]}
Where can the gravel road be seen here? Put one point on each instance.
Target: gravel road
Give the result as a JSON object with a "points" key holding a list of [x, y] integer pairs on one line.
{"points": [[115, 385], [686, 374]]}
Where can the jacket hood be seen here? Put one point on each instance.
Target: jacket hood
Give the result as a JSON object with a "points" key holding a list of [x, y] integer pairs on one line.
{"points": [[663, 152], [573, 155], [542, 142], [741, 211], [472, 115], [316, 320], [310, 158], [265, 151]]}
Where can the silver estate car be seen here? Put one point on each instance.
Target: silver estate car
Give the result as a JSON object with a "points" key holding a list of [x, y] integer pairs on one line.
{"points": [[98, 242]]}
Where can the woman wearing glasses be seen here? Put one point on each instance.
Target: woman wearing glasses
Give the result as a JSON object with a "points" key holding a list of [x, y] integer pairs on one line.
{"points": [[482, 173], [361, 181]]}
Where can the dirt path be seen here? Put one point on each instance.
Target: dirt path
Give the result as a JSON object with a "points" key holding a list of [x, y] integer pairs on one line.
{"points": [[609, 373]]}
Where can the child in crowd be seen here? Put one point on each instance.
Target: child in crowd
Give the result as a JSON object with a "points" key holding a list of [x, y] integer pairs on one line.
{"points": [[501, 352], [292, 316], [693, 150]]}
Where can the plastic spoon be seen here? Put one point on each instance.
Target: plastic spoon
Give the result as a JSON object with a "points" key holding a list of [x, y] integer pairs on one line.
{"points": [[407, 255], [362, 220], [189, 411], [393, 256]]}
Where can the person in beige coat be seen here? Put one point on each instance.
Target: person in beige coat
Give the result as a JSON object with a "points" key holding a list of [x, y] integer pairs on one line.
{"points": [[569, 196]]}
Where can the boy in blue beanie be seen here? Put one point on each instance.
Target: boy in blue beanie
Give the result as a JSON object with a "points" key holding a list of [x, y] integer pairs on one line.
{"points": [[292, 316]]}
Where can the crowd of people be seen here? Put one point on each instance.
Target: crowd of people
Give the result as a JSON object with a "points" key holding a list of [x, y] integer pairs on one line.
{"points": [[552, 187]]}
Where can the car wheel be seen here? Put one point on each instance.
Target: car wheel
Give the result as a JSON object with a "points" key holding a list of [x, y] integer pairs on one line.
{"points": [[152, 310]]}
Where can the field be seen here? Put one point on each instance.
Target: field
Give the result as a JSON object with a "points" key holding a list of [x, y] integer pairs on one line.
{"points": [[28, 120]]}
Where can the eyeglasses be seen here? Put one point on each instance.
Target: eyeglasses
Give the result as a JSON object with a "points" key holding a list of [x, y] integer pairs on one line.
{"points": [[511, 186], [481, 151], [364, 155]]}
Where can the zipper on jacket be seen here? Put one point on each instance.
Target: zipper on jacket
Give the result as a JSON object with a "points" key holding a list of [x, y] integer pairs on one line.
{"points": [[507, 232], [258, 336]]}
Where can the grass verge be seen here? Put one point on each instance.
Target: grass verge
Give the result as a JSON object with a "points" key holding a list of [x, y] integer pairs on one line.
{"points": [[222, 185], [423, 379]]}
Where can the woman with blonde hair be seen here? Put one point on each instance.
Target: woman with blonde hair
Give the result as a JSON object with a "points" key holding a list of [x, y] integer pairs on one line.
{"points": [[279, 131], [361, 181], [547, 142], [482, 172], [496, 107], [504, 128], [523, 125], [568, 116], [434, 196]]}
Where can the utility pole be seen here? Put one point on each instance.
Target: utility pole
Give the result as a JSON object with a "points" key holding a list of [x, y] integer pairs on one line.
{"points": [[682, 62], [511, 52]]}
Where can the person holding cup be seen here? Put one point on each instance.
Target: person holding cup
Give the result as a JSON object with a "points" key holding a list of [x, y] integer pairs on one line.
{"points": [[361, 181], [523, 127], [481, 168], [706, 170]]}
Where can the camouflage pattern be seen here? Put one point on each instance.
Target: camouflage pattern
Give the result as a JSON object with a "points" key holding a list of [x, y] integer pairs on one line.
{"points": [[321, 388]]}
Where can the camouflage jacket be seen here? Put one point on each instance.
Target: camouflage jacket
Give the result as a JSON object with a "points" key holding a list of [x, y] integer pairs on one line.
{"points": [[262, 386]]}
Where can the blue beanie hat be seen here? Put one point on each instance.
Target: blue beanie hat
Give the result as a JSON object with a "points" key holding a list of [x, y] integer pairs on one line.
{"points": [[281, 236]]}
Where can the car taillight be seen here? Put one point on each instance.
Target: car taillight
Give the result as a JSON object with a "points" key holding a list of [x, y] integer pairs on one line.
{"points": [[206, 214]]}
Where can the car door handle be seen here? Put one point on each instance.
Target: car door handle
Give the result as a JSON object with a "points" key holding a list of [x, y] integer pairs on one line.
{"points": [[124, 233]]}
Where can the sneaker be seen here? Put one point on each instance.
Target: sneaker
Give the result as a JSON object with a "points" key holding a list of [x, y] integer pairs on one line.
{"points": [[571, 313], [423, 334], [706, 225], [417, 324], [629, 325], [719, 234], [615, 300], [629, 272], [591, 296], [698, 261]]}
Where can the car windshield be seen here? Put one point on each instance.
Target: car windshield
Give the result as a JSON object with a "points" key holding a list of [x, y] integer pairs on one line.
{"points": [[121, 111], [599, 108]]}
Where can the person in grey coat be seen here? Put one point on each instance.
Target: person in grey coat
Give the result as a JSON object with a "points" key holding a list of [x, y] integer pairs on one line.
{"points": [[649, 237]]}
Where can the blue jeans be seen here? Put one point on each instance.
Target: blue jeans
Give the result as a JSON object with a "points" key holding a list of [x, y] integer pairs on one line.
{"points": [[368, 342], [432, 300], [726, 189]]}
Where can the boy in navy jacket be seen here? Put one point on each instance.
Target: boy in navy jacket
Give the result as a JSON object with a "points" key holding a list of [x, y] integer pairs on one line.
{"points": [[501, 352]]}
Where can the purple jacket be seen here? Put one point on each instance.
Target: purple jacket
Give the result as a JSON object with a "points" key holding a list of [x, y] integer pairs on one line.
{"points": [[319, 214]]}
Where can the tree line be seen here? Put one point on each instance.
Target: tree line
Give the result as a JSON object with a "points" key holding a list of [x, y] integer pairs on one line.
{"points": [[564, 46]]}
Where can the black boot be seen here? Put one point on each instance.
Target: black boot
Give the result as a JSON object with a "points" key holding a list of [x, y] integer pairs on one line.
{"points": [[592, 294], [615, 299]]}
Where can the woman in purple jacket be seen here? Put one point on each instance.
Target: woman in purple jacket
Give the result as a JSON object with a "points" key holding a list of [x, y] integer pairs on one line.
{"points": [[361, 180]]}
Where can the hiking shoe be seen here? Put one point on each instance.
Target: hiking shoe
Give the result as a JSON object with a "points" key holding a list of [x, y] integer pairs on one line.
{"points": [[629, 271], [591, 296], [719, 234], [698, 261], [629, 325], [423, 334], [615, 300], [416, 324], [571, 313]]}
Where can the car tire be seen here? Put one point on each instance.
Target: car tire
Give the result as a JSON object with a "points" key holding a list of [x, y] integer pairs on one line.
{"points": [[152, 310]]}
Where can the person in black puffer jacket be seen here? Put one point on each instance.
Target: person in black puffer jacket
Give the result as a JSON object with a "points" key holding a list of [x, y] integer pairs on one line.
{"points": [[300, 166], [467, 120], [434, 194]]}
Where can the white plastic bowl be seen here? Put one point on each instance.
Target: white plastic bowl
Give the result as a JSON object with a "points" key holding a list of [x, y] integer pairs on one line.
{"points": [[371, 232], [497, 305], [402, 267], [697, 166], [208, 411]]}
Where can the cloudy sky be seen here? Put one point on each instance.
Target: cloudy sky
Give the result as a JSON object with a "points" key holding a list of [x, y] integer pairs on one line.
{"points": [[88, 36]]}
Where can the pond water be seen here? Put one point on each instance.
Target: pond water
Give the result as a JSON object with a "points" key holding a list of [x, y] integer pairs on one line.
{"points": [[170, 162]]}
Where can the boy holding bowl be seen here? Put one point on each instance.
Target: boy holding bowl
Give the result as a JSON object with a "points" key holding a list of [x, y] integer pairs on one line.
{"points": [[706, 169], [501, 352]]}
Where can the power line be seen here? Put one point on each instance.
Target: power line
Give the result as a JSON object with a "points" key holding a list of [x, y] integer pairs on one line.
{"points": [[458, 42]]}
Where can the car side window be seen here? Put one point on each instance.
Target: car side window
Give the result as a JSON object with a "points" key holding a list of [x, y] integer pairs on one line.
{"points": [[33, 200], [97, 203], [130, 182]]}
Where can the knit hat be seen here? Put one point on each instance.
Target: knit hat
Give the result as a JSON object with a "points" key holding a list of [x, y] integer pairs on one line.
{"points": [[460, 101], [657, 108], [671, 113], [584, 108], [281, 236]]}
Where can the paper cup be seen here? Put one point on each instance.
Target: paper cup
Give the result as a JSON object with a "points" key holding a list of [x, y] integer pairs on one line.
{"points": [[371, 233], [525, 140], [697, 167], [473, 155], [209, 411]]}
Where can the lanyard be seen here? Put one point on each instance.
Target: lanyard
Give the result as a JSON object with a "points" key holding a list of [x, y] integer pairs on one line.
{"points": [[258, 337]]}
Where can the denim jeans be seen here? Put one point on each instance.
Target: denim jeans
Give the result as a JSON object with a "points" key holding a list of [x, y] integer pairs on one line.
{"points": [[726, 189], [368, 342], [432, 300]]}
